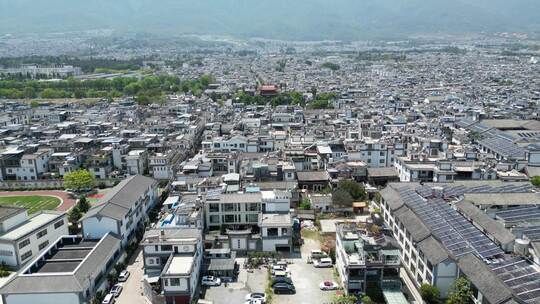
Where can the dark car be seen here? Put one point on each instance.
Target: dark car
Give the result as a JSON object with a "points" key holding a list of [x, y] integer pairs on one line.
{"points": [[284, 288], [286, 280]]}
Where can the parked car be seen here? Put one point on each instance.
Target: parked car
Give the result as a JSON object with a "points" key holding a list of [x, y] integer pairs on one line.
{"points": [[109, 299], [277, 280], [284, 288], [324, 262], [116, 290], [256, 296], [281, 274], [328, 285], [276, 268], [210, 281], [123, 276], [317, 254]]}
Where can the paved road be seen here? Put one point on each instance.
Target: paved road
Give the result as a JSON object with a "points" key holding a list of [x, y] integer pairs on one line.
{"points": [[306, 279], [132, 293], [67, 202]]}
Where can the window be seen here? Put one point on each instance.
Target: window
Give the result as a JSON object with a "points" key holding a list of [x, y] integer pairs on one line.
{"points": [[151, 262], [252, 218], [42, 233], [24, 243], [175, 282], [166, 248], [214, 219], [43, 245], [229, 218], [6, 253], [253, 207], [213, 207], [228, 207], [26, 255], [58, 224]]}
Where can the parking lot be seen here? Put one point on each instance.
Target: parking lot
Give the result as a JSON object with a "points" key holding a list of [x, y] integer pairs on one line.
{"points": [[305, 277]]}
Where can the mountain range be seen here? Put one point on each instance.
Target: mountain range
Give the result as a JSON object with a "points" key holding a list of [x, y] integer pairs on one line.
{"points": [[276, 19]]}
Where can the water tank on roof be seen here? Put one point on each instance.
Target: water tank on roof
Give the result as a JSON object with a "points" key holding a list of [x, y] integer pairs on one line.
{"points": [[521, 246]]}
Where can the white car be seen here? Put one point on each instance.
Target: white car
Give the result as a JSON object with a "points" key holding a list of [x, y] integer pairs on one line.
{"points": [[123, 276], [116, 290], [328, 285], [252, 297], [324, 262], [210, 281]]}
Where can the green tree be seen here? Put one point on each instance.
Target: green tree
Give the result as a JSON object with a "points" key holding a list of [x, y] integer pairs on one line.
{"points": [[460, 292], [536, 181], [430, 294], [305, 204], [83, 204], [341, 198], [344, 299], [356, 190], [29, 92], [78, 180], [367, 300], [74, 215]]}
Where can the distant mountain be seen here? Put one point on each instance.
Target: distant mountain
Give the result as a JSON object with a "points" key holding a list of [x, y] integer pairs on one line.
{"points": [[279, 19]]}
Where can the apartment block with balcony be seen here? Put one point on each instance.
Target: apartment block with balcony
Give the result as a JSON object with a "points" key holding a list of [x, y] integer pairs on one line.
{"points": [[366, 257]]}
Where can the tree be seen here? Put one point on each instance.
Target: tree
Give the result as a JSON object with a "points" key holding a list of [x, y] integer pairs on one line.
{"points": [[367, 300], [74, 215], [460, 293], [536, 181], [430, 294], [78, 180], [343, 299], [305, 204], [83, 204], [342, 198], [356, 190]]}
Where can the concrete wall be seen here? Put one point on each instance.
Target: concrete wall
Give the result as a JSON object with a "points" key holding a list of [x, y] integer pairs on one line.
{"points": [[97, 228]]}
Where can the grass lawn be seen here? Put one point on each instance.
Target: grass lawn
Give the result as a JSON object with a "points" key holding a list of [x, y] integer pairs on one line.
{"points": [[33, 203]]}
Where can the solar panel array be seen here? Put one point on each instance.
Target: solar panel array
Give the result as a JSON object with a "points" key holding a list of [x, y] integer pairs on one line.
{"points": [[503, 146], [457, 234], [521, 214], [532, 233], [521, 276], [459, 190]]}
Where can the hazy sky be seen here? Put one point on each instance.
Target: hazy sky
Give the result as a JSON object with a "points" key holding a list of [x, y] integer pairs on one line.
{"points": [[289, 19]]}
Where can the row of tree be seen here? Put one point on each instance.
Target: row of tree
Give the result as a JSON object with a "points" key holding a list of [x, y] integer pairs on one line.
{"points": [[145, 90], [460, 293]]}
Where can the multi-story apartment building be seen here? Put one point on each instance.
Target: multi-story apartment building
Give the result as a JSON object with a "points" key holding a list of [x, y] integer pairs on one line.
{"points": [[23, 237], [161, 165], [122, 210], [366, 257], [175, 256], [374, 153]]}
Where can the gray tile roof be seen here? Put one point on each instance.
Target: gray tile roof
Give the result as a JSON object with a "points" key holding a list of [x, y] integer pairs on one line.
{"points": [[117, 202], [68, 282], [392, 198], [487, 282], [414, 225], [491, 226], [433, 250]]}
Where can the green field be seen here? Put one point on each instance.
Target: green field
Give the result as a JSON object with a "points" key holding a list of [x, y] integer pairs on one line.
{"points": [[33, 203]]}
